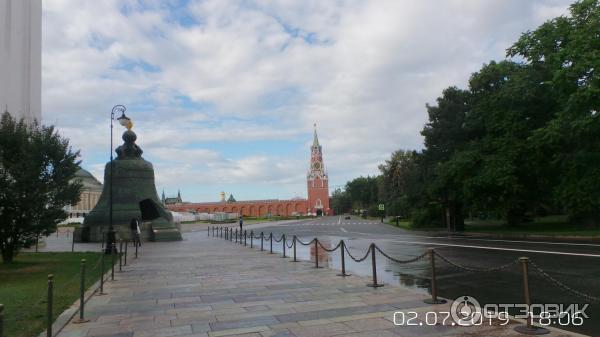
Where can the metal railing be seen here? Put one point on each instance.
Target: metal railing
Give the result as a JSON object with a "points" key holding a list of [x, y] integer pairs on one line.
{"points": [[52, 288], [430, 253]]}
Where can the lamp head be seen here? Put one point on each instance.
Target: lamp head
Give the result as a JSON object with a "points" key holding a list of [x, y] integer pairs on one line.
{"points": [[125, 121]]}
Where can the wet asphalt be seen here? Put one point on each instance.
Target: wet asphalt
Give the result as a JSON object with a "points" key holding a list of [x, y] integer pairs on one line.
{"points": [[574, 264]]}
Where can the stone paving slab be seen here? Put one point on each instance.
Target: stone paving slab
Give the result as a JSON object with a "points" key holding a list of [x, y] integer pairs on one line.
{"points": [[208, 287]]}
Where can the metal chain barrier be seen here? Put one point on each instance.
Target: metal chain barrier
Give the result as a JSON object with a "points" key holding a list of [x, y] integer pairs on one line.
{"points": [[332, 249], [355, 259], [474, 269], [291, 244], [281, 238], [415, 259], [590, 298], [305, 243]]}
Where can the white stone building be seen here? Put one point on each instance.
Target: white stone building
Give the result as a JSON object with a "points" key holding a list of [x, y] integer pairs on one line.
{"points": [[21, 58]]}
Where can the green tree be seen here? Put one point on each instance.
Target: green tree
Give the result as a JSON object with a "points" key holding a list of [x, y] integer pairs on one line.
{"points": [[340, 201], [444, 135], [568, 49], [499, 167], [402, 186], [37, 168]]}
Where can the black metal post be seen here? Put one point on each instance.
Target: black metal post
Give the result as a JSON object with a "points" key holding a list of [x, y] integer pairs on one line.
{"points": [[101, 276], [82, 295], [112, 261], [136, 248], [208, 231], [271, 242], [251, 239], [49, 306], [343, 259], [126, 244], [316, 253], [111, 237], [294, 243], [72, 243], [434, 299], [120, 256], [283, 242], [236, 235], [245, 237], [374, 265], [262, 236], [37, 239], [1, 320]]}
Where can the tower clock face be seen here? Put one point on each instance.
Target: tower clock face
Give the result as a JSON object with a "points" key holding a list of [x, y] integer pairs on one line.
{"points": [[317, 166]]}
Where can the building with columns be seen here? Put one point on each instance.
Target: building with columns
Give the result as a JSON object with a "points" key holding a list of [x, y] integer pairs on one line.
{"points": [[317, 203], [21, 58]]}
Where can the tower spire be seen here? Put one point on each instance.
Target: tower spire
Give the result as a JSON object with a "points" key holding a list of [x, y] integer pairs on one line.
{"points": [[315, 138]]}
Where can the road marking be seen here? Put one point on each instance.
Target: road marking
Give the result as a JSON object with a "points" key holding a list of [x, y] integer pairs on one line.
{"points": [[521, 241], [343, 230], [497, 248]]}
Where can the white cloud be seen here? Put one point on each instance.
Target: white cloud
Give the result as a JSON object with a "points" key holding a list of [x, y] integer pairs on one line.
{"points": [[266, 70]]}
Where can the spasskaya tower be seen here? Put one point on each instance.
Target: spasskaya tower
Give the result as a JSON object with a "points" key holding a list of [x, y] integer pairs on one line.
{"points": [[317, 181]]}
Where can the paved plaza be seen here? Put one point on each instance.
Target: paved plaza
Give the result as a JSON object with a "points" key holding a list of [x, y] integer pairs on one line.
{"points": [[205, 286]]}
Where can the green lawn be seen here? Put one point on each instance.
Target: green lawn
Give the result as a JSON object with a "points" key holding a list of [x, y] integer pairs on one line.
{"points": [[23, 288], [555, 225]]}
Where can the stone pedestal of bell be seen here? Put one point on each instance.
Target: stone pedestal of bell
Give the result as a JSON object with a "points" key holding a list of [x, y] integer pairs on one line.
{"points": [[133, 197]]}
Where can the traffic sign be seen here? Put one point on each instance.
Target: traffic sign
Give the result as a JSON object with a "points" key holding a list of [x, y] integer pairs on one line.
{"points": [[381, 207]]}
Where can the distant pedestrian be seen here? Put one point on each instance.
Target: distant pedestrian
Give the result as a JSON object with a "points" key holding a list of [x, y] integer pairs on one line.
{"points": [[134, 225], [241, 223]]}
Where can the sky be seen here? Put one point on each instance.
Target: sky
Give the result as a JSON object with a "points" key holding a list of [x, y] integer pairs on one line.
{"points": [[224, 94]]}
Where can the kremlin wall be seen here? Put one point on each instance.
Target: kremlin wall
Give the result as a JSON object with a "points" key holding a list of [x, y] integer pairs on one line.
{"points": [[317, 203]]}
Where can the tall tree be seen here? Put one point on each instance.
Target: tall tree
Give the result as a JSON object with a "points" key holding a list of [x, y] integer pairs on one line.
{"points": [[445, 135], [37, 170], [568, 48], [499, 166]]}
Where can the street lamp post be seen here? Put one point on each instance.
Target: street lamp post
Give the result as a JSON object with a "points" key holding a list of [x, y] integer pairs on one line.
{"points": [[111, 236]]}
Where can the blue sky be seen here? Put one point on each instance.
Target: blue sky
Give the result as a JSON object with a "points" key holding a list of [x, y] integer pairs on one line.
{"points": [[224, 94]]}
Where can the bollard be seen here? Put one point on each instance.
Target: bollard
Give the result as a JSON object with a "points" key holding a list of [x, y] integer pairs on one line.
{"points": [[49, 308], [231, 235], [316, 253], [529, 328], [236, 235], [101, 276], [374, 265], [226, 233], [37, 239], [245, 237], [72, 244], [136, 247], [81, 295], [112, 259], [294, 244], [126, 244], [283, 244], [271, 242], [343, 259], [121, 256], [1, 320], [262, 236], [208, 231], [251, 239], [434, 299]]}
